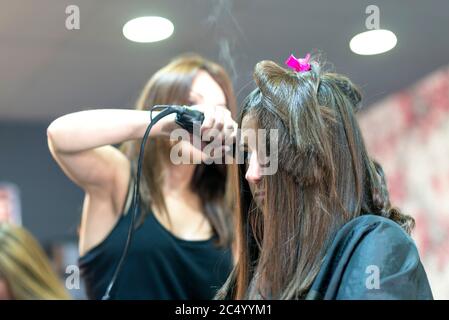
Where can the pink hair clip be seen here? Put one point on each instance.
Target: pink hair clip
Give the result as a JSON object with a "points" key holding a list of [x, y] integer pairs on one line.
{"points": [[299, 65]]}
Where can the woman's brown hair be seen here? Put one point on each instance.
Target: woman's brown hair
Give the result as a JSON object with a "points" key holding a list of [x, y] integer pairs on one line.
{"points": [[172, 85], [325, 178]]}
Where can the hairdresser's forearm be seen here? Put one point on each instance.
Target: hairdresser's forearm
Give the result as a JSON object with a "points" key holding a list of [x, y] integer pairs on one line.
{"points": [[85, 130]]}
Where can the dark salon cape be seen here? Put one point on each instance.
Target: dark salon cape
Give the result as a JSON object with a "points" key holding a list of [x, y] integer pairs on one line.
{"points": [[371, 257]]}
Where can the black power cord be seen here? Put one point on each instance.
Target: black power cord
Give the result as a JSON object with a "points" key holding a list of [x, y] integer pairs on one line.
{"points": [[186, 118]]}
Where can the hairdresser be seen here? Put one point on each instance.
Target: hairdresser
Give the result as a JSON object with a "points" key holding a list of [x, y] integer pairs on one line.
{"points": [[181, 247]]}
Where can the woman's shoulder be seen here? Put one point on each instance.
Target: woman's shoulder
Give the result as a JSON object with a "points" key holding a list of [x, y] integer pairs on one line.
{"points": [[370, 227], [372, 257], [381, 241], [381, 261], [373, 235]]}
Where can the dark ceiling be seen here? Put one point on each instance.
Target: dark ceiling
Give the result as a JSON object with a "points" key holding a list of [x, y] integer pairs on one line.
{"points": [[47, 70]]}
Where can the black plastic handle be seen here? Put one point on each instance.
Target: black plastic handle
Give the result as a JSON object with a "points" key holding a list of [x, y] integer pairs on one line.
{"points": [[186, 118]]}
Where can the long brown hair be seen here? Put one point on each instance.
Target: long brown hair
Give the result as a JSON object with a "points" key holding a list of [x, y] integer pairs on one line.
{"points": [[171, 85], [26, 268], [325, 178]]}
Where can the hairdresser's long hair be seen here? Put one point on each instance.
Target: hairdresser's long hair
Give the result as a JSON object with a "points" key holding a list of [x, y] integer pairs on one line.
{"points": [[325, 178], [25, 267], [171, 85]]}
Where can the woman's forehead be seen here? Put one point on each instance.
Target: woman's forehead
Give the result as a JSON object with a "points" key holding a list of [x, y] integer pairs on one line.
{"points": [[205, 88]]}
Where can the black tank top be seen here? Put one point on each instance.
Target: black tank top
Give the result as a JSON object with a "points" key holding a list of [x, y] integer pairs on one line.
{"points": [[158, 266]]}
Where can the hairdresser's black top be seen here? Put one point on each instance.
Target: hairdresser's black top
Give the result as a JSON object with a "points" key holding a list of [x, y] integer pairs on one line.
{"points": [[158, 266], [371, 257]]}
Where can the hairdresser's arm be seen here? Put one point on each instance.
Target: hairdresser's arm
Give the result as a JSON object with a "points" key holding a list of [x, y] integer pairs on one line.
{"points": [[85, 130], [81, 144]]}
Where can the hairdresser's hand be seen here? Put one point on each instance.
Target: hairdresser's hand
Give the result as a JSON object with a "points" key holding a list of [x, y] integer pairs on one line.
{"points": [[218, 124], [218, 132], [214, 138]]}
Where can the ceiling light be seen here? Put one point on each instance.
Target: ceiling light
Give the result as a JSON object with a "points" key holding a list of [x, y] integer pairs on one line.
{"points": [[148, 29], [373, 42]]}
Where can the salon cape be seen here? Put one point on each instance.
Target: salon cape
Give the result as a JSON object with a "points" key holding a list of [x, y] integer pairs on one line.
{"points": [[371, 257]]}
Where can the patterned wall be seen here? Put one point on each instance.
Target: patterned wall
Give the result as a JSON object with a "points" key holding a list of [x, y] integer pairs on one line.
{"points": [[409, 134]]}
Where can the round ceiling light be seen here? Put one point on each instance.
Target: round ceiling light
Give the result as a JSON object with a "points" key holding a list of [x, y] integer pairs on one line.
{"points": [[148, 29], [373, 42]]}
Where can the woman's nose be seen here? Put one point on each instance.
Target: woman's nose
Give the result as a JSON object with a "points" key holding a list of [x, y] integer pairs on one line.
{"points": [[254, 172]]}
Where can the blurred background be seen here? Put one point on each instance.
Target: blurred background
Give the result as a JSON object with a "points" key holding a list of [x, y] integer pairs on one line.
{"points": [[48, 69]]}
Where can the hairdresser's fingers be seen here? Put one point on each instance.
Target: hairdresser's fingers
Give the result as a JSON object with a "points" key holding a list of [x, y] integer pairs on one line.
{"points": [[209, 117], [214, 132], [219, 118], [215, 154], [212, 135], [229, 128], [231, 135], [218, 124]]}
